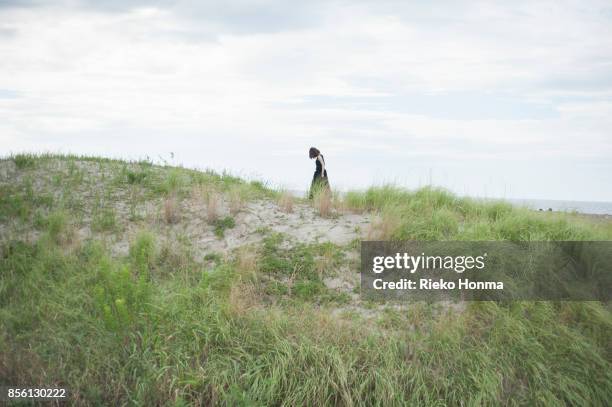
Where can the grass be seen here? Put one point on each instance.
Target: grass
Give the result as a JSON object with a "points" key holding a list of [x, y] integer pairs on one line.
{"points": [[20, 202], [435, 214], [105, 220], [222, 224], [171, 210], [322, 202], [216, 257], [285, 201], [172, 342], [247, 259], [23, 161], [293, 275], [157, 326], [139, 175], [212, 207], [238, 195]]}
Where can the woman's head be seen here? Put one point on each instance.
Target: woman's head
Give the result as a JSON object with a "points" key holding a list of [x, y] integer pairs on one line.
{"points": [[313, 152]]}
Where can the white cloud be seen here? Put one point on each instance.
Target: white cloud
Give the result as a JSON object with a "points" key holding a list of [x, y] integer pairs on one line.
{"points": [[232, 87]]}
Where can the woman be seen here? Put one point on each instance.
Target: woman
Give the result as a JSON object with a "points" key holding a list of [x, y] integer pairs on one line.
{"points": [[319, 179]]}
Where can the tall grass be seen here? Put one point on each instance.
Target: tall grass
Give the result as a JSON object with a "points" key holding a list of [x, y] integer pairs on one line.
{"points": [[322, 202], [23, 161], [212, 207], [435, 214], [285, 201], [171, 210], [120, 338]]}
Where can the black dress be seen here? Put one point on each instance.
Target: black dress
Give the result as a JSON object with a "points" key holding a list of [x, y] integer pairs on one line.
{"points": [[319, 181]]}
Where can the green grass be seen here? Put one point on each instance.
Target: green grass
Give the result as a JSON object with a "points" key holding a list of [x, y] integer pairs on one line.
{"points": [[121, 337], [139, 175], [158, 327], [435, 214], [214, 257], [23, 161], [297, 272], [222, 224], [21, 202], [104, 220]]}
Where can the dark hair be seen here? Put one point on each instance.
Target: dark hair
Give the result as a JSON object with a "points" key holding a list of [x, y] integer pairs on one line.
{"points": [[313, 152]]}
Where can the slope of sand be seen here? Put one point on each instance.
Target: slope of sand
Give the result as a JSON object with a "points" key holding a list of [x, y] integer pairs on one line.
{"points": [[302, 225]]}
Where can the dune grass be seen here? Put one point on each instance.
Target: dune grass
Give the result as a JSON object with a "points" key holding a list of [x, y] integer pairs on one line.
{"points": [[112, 333], [436, 214], [286, 201], [157, 327]]}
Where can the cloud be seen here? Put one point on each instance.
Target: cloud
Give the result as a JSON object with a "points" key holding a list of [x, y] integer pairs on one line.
{"points": [[386, 89], [230, 16], [443, 105]]}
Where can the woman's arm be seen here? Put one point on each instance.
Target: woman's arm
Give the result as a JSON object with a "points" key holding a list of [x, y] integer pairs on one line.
{"points": [[322, 166]]}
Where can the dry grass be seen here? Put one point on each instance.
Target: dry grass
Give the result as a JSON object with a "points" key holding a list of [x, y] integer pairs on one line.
{"points": [[285, 201], [324, 263], [71, 240], [201, 193], [243, 298], [174, 256], [247, 259], [243, 295], [211, 198], [212, 207], [236, 199], [322, 202], [171, 213]]}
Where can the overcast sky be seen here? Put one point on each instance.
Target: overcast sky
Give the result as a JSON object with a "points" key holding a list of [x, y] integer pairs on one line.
{"points": [[507, 99]]}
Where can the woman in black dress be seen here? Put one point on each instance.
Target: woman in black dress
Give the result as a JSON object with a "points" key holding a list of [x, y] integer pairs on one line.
{"points": [[319, 179]]}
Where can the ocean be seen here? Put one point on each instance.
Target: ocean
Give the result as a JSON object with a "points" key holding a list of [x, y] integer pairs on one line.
{"points": [[597, 208]]}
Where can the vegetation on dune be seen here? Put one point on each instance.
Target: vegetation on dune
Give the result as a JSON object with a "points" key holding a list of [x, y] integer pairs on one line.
{"points": [[435, 214], [222, 224], [123, 335], [157, 326]]}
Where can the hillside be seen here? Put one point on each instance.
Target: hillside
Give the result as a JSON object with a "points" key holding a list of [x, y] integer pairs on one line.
{"points": [[133, 283]]}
